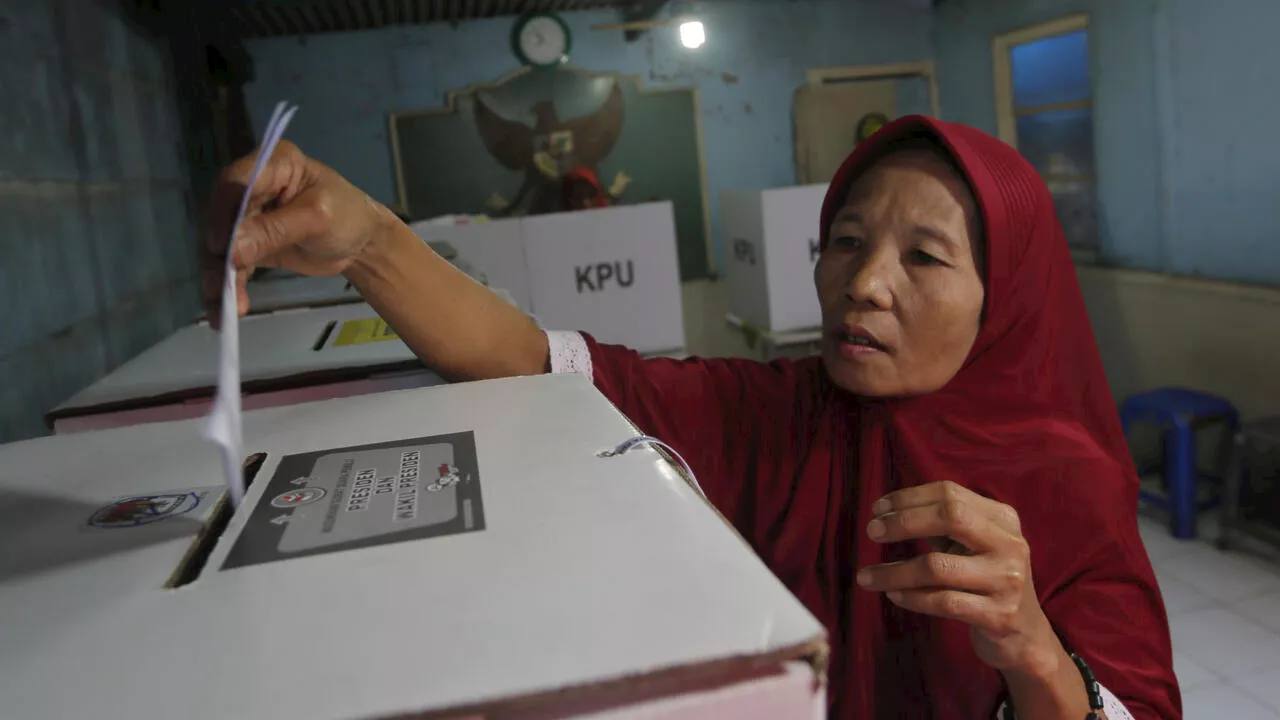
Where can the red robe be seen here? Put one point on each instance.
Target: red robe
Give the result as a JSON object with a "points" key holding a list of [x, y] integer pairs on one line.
{"points": [[795, 464]]}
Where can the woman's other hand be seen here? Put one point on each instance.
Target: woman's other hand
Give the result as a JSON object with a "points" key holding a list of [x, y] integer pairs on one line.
{"points": [[979, 572], [301, 216]]}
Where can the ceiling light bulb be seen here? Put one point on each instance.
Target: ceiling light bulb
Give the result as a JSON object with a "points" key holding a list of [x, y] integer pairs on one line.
{"points": [[692, 34]]}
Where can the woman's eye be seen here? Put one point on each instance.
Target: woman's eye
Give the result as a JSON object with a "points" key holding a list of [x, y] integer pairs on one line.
{"points": [[849, 242], [924, 258]]}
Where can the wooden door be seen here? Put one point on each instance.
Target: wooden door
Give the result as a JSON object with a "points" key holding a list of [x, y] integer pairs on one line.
{"points": [[827, 117]]}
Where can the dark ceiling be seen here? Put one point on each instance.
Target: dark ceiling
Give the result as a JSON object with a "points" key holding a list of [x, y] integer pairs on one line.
{"points": [[265, 18]]}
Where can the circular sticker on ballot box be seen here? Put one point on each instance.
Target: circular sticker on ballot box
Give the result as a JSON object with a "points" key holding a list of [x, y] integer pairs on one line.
{"points": [[297, 498], [142, 510]]}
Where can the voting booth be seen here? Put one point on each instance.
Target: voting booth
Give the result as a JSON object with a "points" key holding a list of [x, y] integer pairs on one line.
{"points": [[283, 290], [270, 294], [772, 241], [612, 272], [461, 551], [495, 248], [286, 357], [769, 345]]}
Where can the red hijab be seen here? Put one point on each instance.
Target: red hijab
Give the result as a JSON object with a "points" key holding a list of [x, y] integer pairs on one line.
{"points": [[1029, 420], [796, 463]]}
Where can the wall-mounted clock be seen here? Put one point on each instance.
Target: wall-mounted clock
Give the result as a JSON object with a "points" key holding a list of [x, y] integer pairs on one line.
{"points": [[542, 40]]}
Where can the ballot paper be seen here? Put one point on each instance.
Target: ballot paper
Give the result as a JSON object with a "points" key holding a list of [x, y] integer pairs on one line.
{"points": [[223, 426]]}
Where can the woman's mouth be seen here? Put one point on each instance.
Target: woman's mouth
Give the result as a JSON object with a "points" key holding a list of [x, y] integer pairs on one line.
{"points": [[854, 343]]}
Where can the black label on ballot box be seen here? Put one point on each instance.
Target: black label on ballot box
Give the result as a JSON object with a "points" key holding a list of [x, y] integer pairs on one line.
{"points": [[362, 496]]}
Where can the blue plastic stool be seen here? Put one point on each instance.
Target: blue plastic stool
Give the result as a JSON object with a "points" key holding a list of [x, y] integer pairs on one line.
{"points": [[1179, 412]]}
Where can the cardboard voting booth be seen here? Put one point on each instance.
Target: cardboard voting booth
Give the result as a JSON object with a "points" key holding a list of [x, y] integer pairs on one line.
{"points": [[283, 290], [611, 272], [272, 294], [462, 551], [494, 248], [772, 247], [768, 345], [286, 357]]}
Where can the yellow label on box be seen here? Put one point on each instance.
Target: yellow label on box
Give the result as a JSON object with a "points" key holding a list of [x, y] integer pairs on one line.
{"points": [[359, 332]]}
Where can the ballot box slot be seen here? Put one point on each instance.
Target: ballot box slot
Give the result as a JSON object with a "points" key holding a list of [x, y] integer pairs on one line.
{"points": [[324, 335], [202, 547]]}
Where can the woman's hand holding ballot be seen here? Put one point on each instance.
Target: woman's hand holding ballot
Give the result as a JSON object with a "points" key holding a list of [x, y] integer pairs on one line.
{"points": [[305, 217]]}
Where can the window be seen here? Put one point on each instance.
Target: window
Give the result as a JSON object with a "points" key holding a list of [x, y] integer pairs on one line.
{"points": [[1044, 106]]}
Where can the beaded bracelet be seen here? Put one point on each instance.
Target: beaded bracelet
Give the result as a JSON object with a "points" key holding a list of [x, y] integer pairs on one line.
{"points": [[1091, 687]]}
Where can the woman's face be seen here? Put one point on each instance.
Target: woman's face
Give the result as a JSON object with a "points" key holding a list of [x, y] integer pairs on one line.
{"points": [[900, 281]]}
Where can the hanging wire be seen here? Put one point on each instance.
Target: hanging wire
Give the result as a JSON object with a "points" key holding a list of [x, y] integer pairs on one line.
{"points": [[642, 440]]}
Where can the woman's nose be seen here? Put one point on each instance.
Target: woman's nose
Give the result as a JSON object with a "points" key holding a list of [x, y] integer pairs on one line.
{"points": [[870, 284]]}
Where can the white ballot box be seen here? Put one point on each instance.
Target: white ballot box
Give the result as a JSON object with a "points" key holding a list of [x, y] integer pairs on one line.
{"points": [[494, 248], [286, 357], [612, 272], [272, 294], [452, 552], [771, 243]]}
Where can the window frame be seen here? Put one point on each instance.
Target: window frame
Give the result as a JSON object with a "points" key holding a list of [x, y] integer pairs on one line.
{"points": [[1002, 64], [1007, 113]]}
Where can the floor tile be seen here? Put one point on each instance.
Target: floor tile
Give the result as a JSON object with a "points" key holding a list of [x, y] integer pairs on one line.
{"points": [[1221, 575], [1160, 544], [1191, 673], [1224, 613], [1181, 597], [1220, 701], [1224, 643], [1263, 687], [1264, 610]]}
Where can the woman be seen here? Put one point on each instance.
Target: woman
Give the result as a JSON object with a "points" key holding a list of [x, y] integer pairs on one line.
{"points": [[947, 488]]}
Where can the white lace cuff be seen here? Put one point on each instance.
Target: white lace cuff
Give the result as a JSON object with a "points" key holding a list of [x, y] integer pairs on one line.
{"points": [[569, 353], [1111, 705]]}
